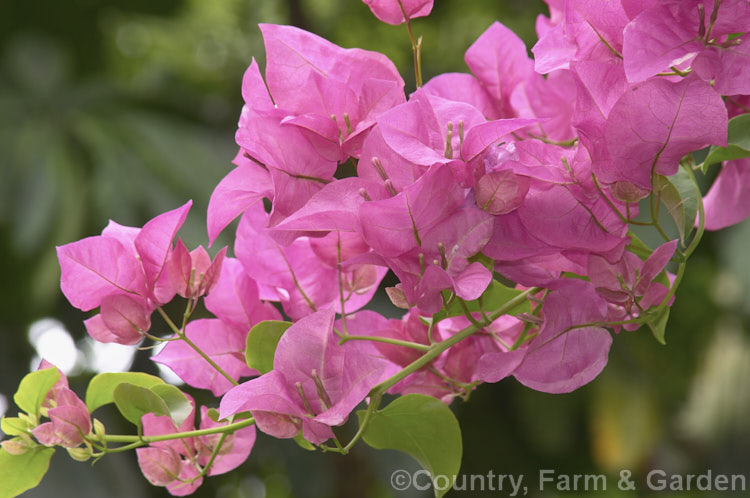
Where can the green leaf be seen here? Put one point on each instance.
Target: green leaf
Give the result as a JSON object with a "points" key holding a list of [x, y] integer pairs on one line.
{"points": [[658, 325], [101, 388], [303, 443], [739, 142], [680, 194], [13, 426], [486, 261], [178, 404], [422, 427], [261, 344], [493, 298], [34, 388], [638, 247], [136, 401], [19, 473]]}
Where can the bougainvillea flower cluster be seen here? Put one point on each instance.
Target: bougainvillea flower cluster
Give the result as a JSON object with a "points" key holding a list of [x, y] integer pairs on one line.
{"points": [[503, 201]]}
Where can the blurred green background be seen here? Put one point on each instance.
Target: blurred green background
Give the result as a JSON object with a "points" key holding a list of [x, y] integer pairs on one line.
{"points": [[122, 109]]}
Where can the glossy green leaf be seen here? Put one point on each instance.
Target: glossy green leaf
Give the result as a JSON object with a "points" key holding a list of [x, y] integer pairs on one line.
{"points": [[19, 473], [493, 298], [261, 344], [13, 426], [34, 388], [136, 401], [101, 388], [178, 404], [680, 194], [422, 427], [658, 325], [739, 142]]}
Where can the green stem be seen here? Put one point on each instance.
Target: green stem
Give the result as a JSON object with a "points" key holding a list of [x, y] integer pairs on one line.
{"points": [[468, 315], [386, 340], [214, 454], [416, 48], [654, 202], [701, 222], [169, 321], [374, 404], [432, 352], [438, 348], [224, 429]]}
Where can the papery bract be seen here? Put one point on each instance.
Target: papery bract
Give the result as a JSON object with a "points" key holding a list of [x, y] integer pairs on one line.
{"points": [[315, 383], [235, 449], [294, 272], [125, 317], [154, 245], [245, 185], [70, 421], [568, 351], [499, 61], [657, 122], [672, 33], [96, 267], [235, 299], [160, 466], [728, 200], [193, 274], [224, 344], [399, 11]]}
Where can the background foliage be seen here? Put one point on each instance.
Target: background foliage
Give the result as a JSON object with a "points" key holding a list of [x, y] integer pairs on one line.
{"points": [[124, 109]]}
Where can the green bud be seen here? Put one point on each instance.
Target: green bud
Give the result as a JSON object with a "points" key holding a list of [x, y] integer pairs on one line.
{"points": [[99, 430], [30, 420], [79, 454], [16, 446], [213, 414]]}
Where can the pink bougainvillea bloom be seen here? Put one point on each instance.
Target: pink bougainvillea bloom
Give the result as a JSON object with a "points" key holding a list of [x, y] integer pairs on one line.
{"points": [[315, 383], [126, 318], [499, 60], [170, 462], [312, 81], [50, 400], [728, 200], [565, 354], [245, 185], [488, 356], [225, 345], [399, 11], [599, 85], [125, 271], [657, 122], [674, 34], [154, 246], [193, 274], [500, 192], [233, 452], [160, 466], [96, 267], [297, 274], [235, 299], [628, 285], [727, 67], [426, 236], [69, 423], [461, 87]]}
